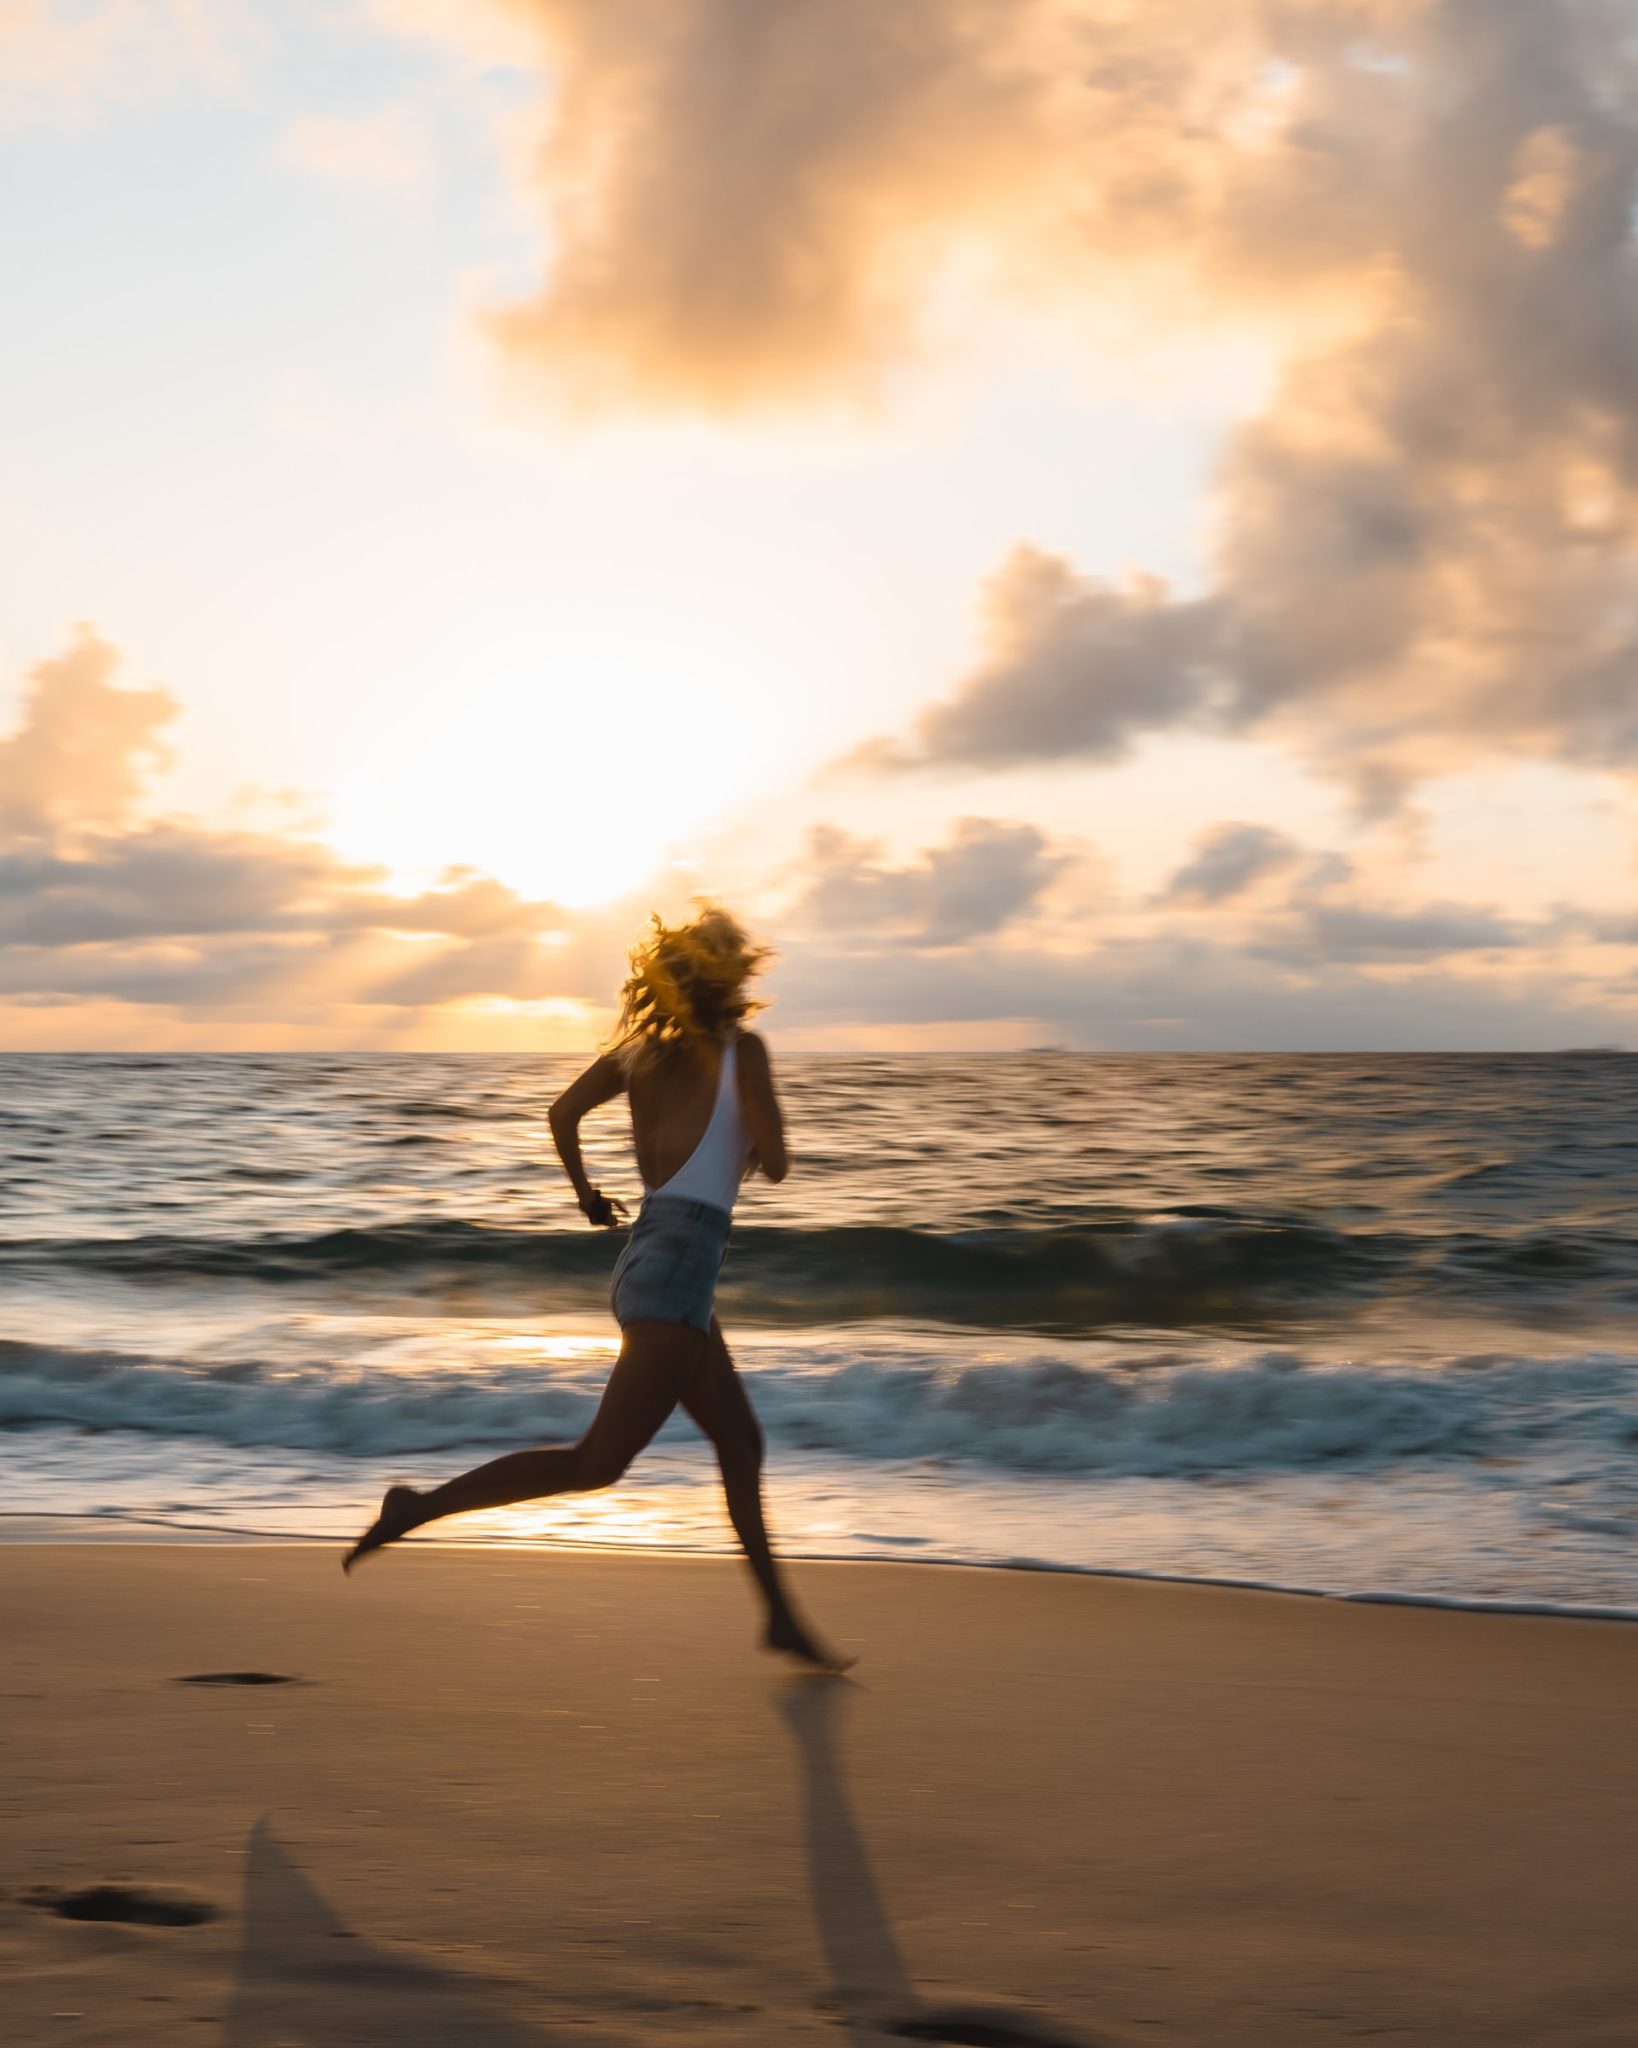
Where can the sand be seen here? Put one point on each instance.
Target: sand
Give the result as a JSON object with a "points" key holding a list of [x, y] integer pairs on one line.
{"points": [[525, 1799]]}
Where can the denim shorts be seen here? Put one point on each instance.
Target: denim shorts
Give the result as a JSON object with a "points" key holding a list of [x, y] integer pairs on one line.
{"points": [[668, 1270]]}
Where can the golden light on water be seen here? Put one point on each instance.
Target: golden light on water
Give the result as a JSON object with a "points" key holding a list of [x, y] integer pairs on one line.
{"points": [[593, 1344], [616, 1519]]}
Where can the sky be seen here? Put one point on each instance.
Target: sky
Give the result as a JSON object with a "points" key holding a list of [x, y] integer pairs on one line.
{"points": [[1100, 523]]}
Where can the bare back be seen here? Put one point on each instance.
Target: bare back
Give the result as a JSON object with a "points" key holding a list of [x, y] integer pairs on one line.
{"points": [[671, 1104], [672, 1101]]}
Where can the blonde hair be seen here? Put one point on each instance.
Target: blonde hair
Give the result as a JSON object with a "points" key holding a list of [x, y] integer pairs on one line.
{"points": [[687, 981]]}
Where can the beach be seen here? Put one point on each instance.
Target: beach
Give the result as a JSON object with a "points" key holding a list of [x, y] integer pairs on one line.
{"points": [[817, 827], [511, 1799]]}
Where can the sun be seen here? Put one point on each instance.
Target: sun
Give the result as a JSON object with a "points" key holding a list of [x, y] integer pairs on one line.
{"points": [[577, 796]]}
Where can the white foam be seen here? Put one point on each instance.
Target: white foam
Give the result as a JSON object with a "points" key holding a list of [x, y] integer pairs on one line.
{"points": [[1048, 1415]]}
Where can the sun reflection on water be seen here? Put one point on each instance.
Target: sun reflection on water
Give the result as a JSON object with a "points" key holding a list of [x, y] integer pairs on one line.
{"points": [[575, 1346], [628, 1519]]}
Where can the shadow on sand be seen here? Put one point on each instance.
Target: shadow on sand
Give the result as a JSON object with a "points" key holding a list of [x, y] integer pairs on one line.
{"points": [[307, 1981], [870, 1985]]}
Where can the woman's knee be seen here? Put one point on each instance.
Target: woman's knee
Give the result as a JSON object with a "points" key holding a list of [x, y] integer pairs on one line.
{"points": [[598, 1463], [741, 1449]]}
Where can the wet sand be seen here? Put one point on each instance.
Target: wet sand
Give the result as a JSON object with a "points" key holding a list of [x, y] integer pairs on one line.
{"points": [[515, 1800]]}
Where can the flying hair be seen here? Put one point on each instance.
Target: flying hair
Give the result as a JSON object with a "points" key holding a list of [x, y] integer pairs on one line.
{"points": [[687, 981]]}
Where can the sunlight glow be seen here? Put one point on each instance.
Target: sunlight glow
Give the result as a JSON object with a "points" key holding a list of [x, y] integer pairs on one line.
{"points": [[576, 1347], [568, 781]]}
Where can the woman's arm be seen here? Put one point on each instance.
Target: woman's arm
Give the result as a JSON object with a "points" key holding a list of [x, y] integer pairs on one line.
{"points": [[601, 1082], [764, 1122]]}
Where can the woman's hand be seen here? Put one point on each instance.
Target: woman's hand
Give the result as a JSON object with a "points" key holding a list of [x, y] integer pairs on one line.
{"points": [[603, 1210]]}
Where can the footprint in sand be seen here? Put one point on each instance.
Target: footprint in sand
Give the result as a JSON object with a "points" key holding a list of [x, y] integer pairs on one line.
{"points": [[239, 1678], [122, 1903]]}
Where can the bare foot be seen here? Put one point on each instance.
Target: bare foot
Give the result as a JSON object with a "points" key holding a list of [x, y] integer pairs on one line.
{"points": [[399, 1514], [789, 1636]]}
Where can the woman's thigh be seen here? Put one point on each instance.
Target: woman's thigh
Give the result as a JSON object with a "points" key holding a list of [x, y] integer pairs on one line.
{"points": [[656, 1361]]}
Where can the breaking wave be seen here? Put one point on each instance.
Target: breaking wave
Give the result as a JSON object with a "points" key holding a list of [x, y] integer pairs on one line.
{"points": [[1273, 1411]]}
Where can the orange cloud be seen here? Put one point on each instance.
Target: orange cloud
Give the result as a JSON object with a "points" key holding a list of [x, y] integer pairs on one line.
{"points": [[752, 205], [84, 749], [1424, 542], [123, 926], [57, 61], [100, 899]]}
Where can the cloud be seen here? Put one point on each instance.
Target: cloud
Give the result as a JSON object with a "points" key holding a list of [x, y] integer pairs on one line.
{"points": [[84, 748], [58, 61], [1344, 932], [986, 876], [100, 898], [1071, 667], [387, 150], [166, 881], [1163, 990], [174, 930], [746, 203], [1423, 543], [750, 205], [967, 935], [1325, 913], [1227, 860]]}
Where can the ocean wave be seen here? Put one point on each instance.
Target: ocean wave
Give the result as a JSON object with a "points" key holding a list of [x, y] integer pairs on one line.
{"points": [[1170, 1270], [1274, 1411]]}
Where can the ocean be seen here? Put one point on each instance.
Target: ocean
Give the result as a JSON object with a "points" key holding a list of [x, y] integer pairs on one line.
{"points": [[1359, 1325]]}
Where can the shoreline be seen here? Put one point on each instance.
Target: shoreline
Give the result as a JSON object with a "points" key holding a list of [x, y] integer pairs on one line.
{"points": [[130, 1529]]}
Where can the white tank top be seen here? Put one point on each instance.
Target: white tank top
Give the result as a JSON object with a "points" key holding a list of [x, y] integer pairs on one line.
{"points": [[714, 1169]]}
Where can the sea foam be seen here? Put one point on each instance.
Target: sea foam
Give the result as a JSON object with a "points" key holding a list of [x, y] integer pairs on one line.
{"points": [[1043, 1414]]}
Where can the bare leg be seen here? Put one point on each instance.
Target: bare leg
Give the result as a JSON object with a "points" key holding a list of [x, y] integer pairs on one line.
{"points": [[714, 1398], [647, 1381]]}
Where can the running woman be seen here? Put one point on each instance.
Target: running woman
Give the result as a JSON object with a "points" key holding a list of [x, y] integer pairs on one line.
{"points": [[703, 1114]]}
